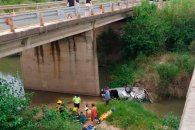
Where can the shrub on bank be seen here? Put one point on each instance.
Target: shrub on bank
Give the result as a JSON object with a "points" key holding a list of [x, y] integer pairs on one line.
{"points": [[16, 114], [152, 30], [167, 71], [123, 75], [191, 47], [185, 62], [171, 121]]}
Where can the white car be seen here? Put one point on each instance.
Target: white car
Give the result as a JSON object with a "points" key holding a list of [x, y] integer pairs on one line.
{"points": [[130, 93]]}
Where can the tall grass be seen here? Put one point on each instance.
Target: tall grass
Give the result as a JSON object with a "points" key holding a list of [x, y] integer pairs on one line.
{"points": [[13, 2], [129, 115]]}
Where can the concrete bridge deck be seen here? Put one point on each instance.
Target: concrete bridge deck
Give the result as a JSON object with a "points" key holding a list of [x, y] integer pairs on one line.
{"points": [[27, 31], [188, 116]]}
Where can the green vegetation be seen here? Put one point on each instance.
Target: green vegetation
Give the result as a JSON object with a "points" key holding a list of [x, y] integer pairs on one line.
{"points": [[122, 75], [16, 114], [12, 2], [167, 72], [171, 121], [151, 30], [155, 49], [131, 115]]}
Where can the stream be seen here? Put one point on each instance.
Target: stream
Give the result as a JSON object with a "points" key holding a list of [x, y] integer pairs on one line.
{"points": [[10, 66]]}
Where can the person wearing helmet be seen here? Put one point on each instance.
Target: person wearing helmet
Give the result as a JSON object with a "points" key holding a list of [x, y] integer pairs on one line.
{"points": [[60, 106], [75, 109]]}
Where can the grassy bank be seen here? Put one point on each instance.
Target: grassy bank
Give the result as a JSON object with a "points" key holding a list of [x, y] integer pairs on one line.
{"points": [[165, 74], [131, 115]]}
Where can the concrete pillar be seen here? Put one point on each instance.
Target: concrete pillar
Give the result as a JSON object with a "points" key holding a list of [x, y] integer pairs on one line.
{"points": [[68, 66]]}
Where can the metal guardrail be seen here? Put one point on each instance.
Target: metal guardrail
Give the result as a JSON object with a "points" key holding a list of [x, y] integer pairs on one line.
{"points": [[40, 18]]}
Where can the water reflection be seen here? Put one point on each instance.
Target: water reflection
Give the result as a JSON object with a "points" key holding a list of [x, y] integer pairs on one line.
{"points": [[162, 108], [50, 98]]}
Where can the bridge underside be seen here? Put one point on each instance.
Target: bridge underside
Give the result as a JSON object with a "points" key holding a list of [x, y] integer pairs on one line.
{"points": [[68, 65]]}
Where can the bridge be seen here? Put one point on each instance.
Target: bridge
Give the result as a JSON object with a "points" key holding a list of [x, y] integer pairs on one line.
{"points": [[188, 119], [58, 46]]}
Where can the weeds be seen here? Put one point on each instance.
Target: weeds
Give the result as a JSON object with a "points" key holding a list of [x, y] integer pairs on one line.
{"points": [[132, 115]]}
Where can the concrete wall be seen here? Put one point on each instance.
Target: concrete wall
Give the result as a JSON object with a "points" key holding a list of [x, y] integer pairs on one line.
{"points": [[188, 116], [68, 65]]}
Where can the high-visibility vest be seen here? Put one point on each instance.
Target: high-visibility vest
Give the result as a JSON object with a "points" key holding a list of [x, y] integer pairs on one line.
{"points": [[77, 100]]}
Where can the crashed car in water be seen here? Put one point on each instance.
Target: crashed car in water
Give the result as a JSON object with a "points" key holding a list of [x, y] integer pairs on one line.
{"points": [[130, 93]]}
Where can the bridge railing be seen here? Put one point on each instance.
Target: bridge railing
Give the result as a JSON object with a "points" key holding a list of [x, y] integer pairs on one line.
{"points": [[32, 6], [40, 18], [5, 9]]}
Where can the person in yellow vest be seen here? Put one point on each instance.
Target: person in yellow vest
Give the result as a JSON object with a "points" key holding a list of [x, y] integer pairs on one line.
{"points": [[77, 101]]}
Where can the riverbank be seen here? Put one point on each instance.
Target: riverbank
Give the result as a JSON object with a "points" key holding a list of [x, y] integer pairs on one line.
{"points": [[164, 75], [131, 115]]}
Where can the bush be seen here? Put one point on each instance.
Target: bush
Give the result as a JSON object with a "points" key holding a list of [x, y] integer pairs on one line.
{"points": [[52, 120], [122, 75], [191, 47], [185, 62], [12, 110], [171, 121], [15, 113], [180, 16], [145, 33], [167, 71], [152, 30]]}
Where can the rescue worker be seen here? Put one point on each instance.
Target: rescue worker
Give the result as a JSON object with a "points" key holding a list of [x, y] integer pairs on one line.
{"points": [[75, 114], [59, 106], [77, 101]]}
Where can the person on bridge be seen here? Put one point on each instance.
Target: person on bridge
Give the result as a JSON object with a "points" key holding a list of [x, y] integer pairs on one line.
{"points": [[77, 101], [88, 2], [70, 3], [77, 2]]}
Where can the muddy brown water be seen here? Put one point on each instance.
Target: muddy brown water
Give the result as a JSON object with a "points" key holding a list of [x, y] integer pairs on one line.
{"points": [[11, 65]]}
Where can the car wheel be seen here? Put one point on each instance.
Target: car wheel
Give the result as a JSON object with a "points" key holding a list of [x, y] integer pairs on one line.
{"points": [[128, 89]]}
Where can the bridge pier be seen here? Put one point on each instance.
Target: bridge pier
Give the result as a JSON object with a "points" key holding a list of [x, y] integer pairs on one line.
{"points": [[68, 65]]}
